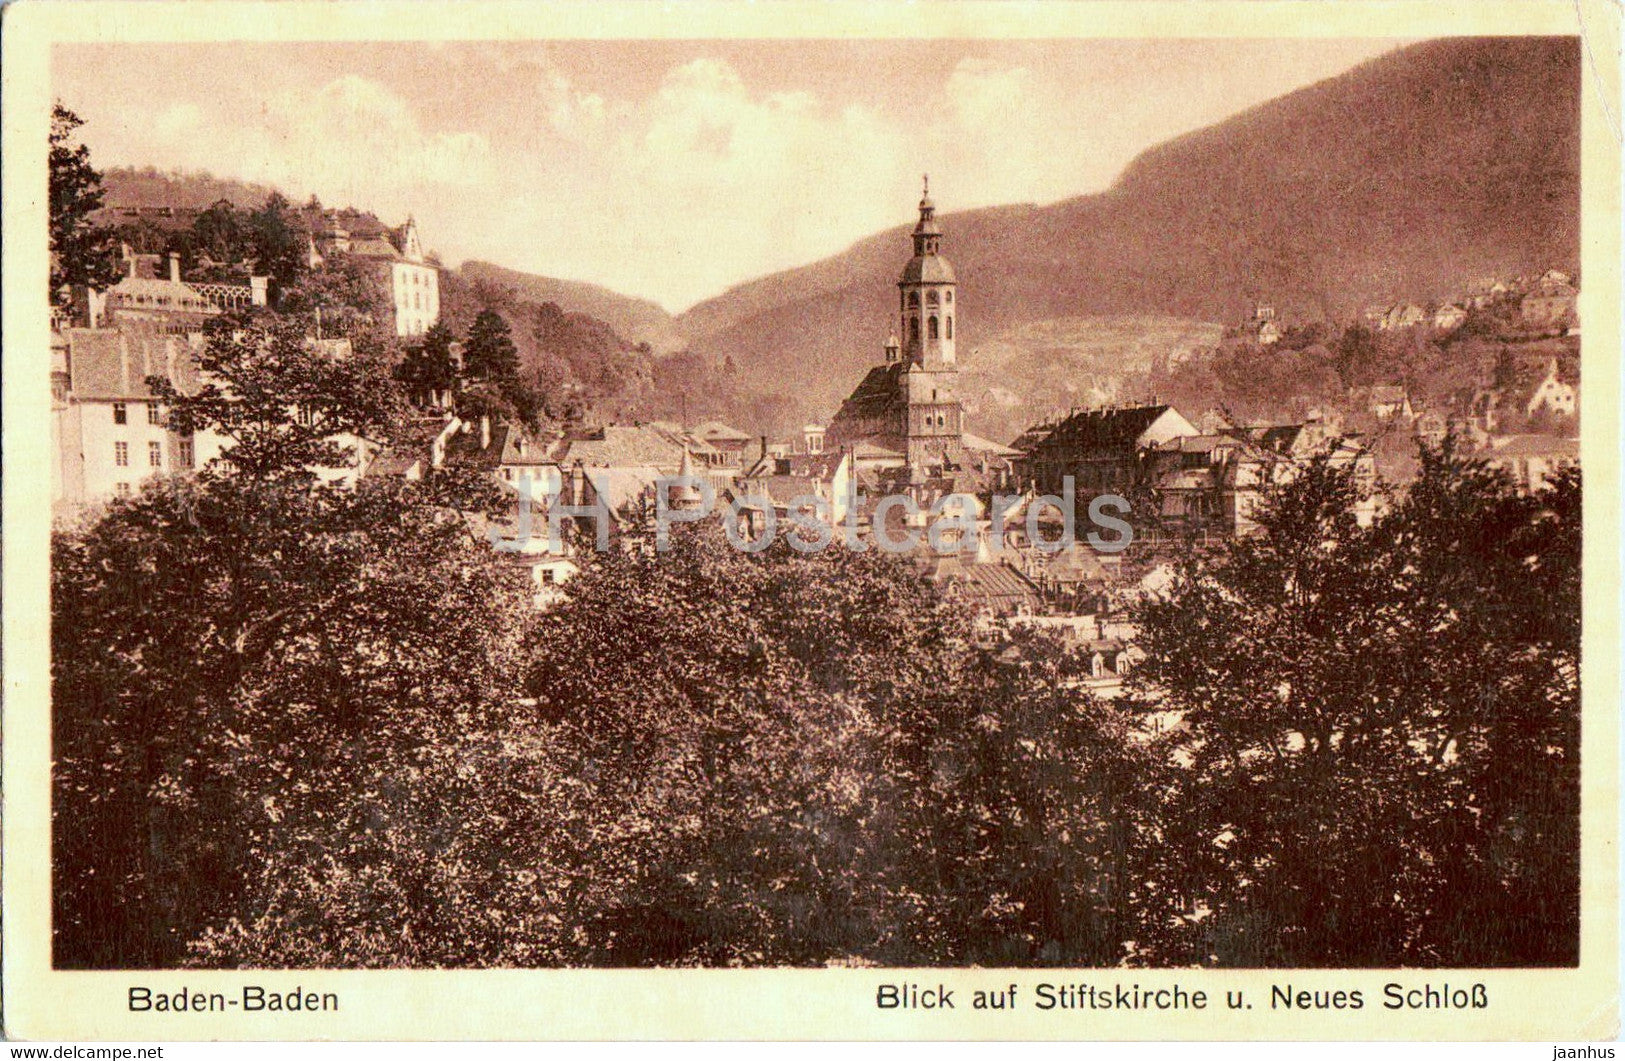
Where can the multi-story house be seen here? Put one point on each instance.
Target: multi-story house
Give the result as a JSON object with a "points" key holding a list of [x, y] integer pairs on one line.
{"points": [[395, 255], [112, 433]]}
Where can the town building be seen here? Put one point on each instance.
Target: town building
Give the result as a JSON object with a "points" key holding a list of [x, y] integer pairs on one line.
{"points": [[110, 429], [1099, 448], [1211, 483]]}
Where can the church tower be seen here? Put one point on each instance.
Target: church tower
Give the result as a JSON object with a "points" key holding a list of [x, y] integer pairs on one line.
{"points": [[910, 402], [930, 376], [925, 294]]}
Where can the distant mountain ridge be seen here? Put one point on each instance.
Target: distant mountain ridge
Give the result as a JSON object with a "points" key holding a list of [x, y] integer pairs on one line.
{"points": [[639, 320], [1404, 178]]}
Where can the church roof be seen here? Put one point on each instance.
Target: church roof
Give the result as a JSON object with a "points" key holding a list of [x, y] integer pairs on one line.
{"points": [[928, 269], [877, 393]]}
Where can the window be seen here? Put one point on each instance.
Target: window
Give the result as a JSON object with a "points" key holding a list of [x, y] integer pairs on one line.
{"points": [[155, 454], [914, 298], [949, 325], [948, 297], [931, 327], [914, 329], [184, 453], [121, 454], [121, 414], [153, 416], [931, 298], [121, 489]]}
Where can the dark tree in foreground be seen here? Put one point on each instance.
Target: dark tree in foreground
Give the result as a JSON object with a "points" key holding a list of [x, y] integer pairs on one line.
{"points": [[804, 760], [81, 252], [261, 683], [281, 408], [490, 354], [428, 368], [1381, 726]]}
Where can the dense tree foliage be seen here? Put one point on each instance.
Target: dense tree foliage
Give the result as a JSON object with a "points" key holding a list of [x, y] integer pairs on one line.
{"points": [[283, 409], [428, 367], [489, 352], [1381, 725], [296, 725], [81, 252]]}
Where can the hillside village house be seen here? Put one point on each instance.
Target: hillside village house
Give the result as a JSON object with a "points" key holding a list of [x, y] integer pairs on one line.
{"points": [[1553, 394], [1533, 460], [1552, 303], [1384, 402], [1262, 329]]}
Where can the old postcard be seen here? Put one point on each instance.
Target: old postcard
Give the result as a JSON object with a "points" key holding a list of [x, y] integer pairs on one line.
{"points": [[811, 521]]}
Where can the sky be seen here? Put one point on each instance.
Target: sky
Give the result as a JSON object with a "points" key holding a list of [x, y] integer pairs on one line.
{"points": [[669, 170]]}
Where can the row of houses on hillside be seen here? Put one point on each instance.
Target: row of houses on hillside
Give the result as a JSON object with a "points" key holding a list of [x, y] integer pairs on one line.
{"points": [[1549, 302]]}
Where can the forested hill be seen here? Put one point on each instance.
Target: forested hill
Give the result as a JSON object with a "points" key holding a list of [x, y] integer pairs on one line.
{"points": [[1402, 179], [150, 186], [638, 319]]}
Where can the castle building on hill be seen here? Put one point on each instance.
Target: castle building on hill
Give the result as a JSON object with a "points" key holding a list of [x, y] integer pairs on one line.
{"points": [[910, 403], [395, 254]]}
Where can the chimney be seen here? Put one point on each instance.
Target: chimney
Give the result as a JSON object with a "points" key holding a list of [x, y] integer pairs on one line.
{"points": [[764, 448], [485, 432], [174, 267]]}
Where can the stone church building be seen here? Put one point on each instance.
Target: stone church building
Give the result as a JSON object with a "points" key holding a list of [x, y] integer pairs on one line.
{"points": [[910, 404]]}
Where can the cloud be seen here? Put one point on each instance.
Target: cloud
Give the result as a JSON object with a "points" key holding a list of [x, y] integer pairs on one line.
{"points": [[703, 180], [348, 139], [983, 96]]}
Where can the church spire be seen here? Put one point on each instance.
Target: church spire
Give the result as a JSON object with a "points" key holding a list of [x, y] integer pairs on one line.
{"points": [[927, 236]]}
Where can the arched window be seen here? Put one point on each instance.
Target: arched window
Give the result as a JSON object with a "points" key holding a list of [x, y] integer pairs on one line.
{"points": [[948, 297], [931, 298], [948, 324], [914, 329], [931, 327], [914, 299]]}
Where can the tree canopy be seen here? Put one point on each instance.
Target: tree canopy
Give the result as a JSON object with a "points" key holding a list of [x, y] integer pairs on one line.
{"points": [[82, 253]]}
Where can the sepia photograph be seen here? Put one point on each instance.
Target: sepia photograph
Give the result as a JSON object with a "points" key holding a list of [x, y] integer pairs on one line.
{"points": [[640, 520], [866, 503]]}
